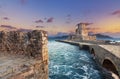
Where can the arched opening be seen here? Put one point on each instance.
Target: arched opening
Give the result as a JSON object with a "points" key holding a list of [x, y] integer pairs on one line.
{"points": [[110, 66], [93, 52]]}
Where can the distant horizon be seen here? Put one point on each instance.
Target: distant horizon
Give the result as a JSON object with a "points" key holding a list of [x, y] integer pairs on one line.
{"points": [[57, 16], [8, 27]]}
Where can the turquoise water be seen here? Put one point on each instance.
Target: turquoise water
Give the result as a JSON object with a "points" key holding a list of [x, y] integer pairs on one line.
{"points": [[68, 62]]}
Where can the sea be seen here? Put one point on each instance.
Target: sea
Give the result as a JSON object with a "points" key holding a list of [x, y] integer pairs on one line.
{"points": [[69, 62]]}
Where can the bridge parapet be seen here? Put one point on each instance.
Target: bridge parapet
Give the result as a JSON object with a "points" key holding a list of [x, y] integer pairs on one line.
{"points": [[103, 54]]}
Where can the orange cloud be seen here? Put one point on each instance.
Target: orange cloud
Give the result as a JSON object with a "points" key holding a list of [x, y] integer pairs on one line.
{"points": [[107, 24], [110, 29]]}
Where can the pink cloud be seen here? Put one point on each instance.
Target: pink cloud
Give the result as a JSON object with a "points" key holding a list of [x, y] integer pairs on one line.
{"points": [[117, 12], [8, 27], [6, 18], [39, 21], [39, 26], [50, 20], [86, 23]]}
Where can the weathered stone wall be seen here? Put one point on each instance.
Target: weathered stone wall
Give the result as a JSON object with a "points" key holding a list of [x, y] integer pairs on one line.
{"points": [[81, 34], [31, 45]]}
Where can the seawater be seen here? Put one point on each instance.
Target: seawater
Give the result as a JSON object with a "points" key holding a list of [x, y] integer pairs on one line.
{"points": [[69, 62]]}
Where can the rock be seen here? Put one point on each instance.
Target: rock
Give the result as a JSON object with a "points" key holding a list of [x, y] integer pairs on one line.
{"points": [[28, 44], [26, 55]]}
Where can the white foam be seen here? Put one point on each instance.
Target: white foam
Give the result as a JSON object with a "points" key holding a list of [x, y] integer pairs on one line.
{"points": [[69, 73]]}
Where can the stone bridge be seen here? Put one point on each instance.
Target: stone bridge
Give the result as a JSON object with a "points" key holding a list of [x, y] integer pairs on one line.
{"points": [[107, 56]]}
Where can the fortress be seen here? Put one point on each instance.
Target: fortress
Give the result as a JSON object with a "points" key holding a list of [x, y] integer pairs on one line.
{"points": [[106, 55], [81, 33]]}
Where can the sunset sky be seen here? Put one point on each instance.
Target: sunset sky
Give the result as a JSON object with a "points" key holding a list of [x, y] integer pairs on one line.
{"points": [[62, 15]]}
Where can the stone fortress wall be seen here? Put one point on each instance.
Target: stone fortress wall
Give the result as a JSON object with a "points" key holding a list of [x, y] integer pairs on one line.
{"points": [[29, 46], [81, 33]]}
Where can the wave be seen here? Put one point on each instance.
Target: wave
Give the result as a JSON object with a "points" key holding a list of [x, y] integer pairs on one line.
{"points": [[68, 62]]}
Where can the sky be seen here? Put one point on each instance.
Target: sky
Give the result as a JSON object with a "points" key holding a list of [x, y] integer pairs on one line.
{"points": [[57, 16]]}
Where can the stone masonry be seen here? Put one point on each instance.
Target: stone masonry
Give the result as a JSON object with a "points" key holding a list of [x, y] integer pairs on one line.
{"points": [[28, 53], [81, 33]]}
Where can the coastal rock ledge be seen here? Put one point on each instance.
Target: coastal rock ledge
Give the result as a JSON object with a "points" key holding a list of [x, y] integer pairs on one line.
{"points": [[23, 55]]}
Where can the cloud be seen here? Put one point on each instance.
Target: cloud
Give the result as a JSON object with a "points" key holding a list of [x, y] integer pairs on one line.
{"points": [[24, 30], [8, 27], [50, 20], [39, 21], [6, 18], [40, 26], [88, 23], [117, 12], [93, 30]]}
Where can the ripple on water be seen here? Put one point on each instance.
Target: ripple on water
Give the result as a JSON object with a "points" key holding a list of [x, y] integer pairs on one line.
{"points": [[68, 62]]}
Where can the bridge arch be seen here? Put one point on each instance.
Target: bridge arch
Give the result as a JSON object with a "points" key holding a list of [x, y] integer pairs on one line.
{"points": [[92, 52], [109, 65]]}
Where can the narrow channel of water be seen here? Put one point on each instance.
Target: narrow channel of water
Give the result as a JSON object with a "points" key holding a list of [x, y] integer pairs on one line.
{"points": [[69, 62]]}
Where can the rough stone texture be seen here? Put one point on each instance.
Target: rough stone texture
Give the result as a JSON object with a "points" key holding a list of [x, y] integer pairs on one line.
{"points": [[114, 49], [25, 55]]}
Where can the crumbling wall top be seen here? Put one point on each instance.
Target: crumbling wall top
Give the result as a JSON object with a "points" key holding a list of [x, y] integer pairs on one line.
{"points": [[29, 44]]}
